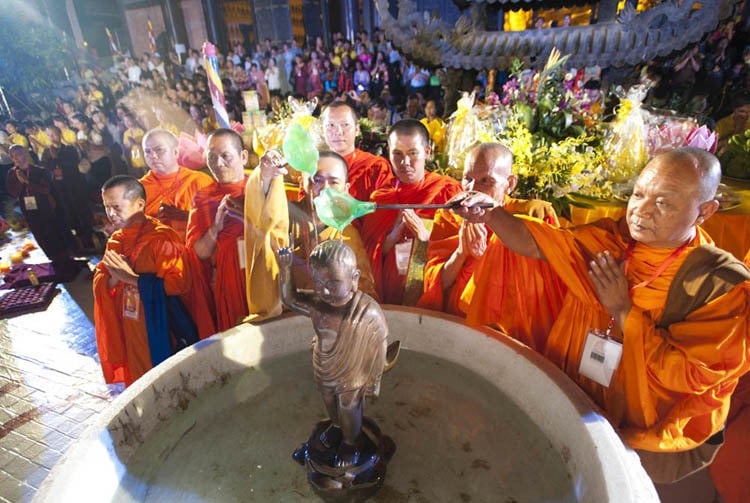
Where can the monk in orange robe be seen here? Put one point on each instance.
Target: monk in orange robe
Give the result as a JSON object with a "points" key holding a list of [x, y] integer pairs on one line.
{"points": [[367, 172], [683, 330], [140, 245], [170, 188], [216, 227], [303, 225], [389, 235], [729, 471], [457, 249]]}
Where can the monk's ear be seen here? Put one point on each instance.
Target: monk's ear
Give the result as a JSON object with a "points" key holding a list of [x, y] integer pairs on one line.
{"points": [[512, 182], [355, 278], [244, 156], [705, 210]]}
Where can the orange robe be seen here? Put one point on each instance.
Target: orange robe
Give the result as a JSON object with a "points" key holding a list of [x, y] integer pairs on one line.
{"points": [[176, 189], [487, 290], [375, 227], [367, 172], [730, 469], [672, 388], [121, 337], [222, 270]]}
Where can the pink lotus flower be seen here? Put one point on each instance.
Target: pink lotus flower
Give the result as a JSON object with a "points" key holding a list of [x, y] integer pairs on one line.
{"points": [[702, 138]]}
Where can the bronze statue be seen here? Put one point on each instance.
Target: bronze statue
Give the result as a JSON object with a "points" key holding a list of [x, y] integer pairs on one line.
{"points": [[346, 454]]}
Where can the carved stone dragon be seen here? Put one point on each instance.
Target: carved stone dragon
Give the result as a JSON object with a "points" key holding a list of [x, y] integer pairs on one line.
{"points": [[629, 39]]}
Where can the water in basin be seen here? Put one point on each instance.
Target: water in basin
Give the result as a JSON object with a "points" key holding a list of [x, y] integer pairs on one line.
{"points": [[458, 439]]}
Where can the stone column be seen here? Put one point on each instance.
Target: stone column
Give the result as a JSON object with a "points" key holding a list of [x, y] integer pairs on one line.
{"points": [[217, 33], [175, 22]]}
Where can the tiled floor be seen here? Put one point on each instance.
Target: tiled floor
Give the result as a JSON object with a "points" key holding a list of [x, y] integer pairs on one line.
{"points": [[50, 386]]}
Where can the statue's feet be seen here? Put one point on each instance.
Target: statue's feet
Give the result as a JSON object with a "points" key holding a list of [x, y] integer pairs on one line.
{"points": [[331, 437], [347, 456]]}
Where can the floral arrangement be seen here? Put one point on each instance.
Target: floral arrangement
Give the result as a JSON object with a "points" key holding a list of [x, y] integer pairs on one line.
{"points": [[560, 143]]}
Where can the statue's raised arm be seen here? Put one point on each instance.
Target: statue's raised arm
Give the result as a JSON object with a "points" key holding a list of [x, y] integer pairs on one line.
{"points": [[291, 298]]}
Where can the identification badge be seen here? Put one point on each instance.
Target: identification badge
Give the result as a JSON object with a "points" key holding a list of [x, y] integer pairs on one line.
{"points": [[58, 172], [600, 357], [403, 254], [241, 252], [131, 302], [29, 202]]}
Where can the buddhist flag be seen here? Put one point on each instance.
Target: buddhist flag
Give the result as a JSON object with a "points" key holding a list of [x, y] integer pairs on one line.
{"points": [[151, 37], [211, 64], [112, 44]]}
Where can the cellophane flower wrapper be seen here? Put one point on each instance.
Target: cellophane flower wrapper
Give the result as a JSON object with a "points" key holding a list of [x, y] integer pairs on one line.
{"points": [[625, 142]]}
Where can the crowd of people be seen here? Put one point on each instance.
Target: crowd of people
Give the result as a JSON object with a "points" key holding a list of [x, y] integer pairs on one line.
{"points": [[188, 254]]}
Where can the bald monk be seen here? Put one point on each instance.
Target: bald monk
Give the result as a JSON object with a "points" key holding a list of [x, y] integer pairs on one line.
{"points": [[217, 232], [389, 235], [457, 249], [729, 471], [677, 306], [170, 188], [331, 173], [140, 250], [367, 172]]}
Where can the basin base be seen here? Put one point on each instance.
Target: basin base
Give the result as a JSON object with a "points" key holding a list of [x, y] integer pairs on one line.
{"points": [[345, 484]]}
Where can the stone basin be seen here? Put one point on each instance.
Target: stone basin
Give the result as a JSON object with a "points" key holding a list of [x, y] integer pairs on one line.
{"points": [[475, 417]]}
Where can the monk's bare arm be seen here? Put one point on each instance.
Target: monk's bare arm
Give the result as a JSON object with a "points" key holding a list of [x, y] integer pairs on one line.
{"points": [[511, 230], [205, 246]]}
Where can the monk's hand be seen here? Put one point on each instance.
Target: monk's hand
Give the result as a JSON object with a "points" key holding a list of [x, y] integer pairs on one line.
{"points": [[21, 176], [473, 206], [472, 239], [608, 278], [272, 164], [415, 225], [119, 268], [170, 212], [221, 212], [540, 209]]}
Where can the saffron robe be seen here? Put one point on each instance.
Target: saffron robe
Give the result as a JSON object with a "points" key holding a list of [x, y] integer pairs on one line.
{"points": [[266, 230], [729, 470], [176, 189], [672, 388], [487, 290], [121, 337], [302, 231], [222, 270], [375, 227], [367, 172]]}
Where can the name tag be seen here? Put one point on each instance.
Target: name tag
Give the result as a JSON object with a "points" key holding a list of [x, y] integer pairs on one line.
{"points": [[131, 302], [29, 202], [241, 252], [403, 254], [600, 357]]}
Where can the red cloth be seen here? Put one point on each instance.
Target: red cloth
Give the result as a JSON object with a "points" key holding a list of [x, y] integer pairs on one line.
{"points": [[228, 279], [122, 341], [367, 173], [375, 227], [176, 189]]}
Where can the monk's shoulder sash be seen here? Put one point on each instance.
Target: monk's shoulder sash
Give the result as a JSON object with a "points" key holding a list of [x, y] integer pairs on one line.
{"points": [[707, 273]]}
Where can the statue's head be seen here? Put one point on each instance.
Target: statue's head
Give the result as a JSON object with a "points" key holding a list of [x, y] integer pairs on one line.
{"points": [[335, 275]]}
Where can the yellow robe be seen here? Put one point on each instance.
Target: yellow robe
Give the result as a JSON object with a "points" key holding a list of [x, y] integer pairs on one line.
{"points": [[266, 230]]}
